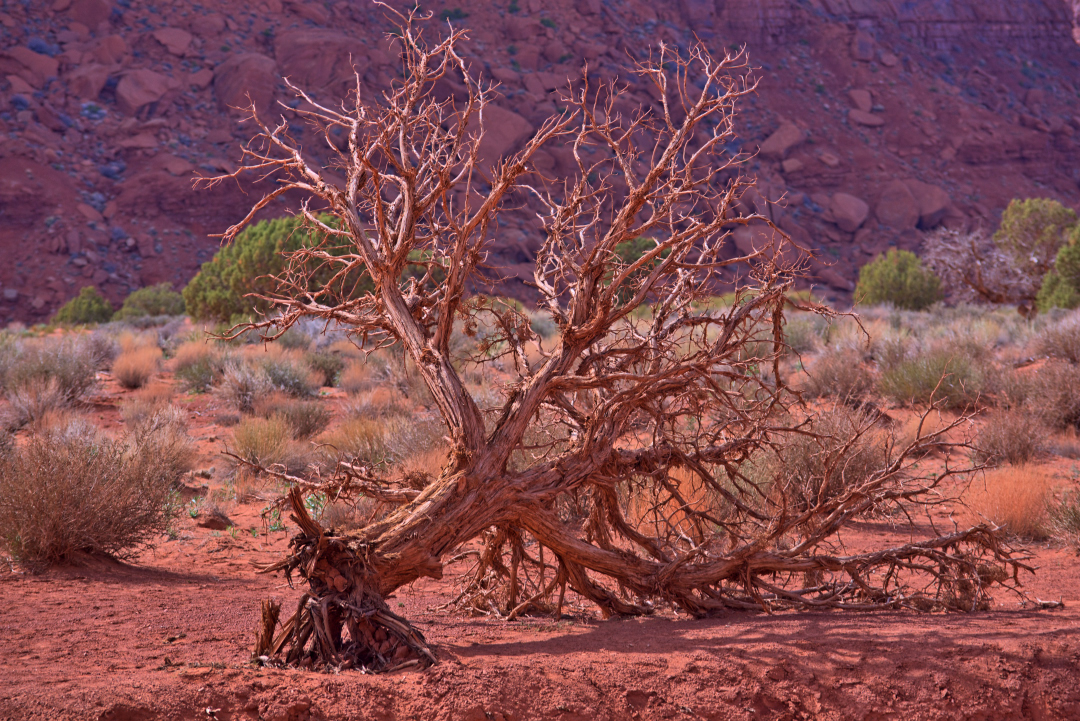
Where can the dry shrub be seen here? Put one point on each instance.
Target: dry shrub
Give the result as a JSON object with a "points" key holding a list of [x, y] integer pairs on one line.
{"points": [[1053, 391], [287, 372], [355, 378], [1065, 444], [1062, 339], [380, 402], [304, 418], [841, 374], [262, 441], [846, 450], [242, 384], [34, 399], [1063, 519], [356, 440], [199, 366], [1014, 498], [70, 491], [134, 368], [145, 402], [1015, 437], [942, 375], [36, 364]]}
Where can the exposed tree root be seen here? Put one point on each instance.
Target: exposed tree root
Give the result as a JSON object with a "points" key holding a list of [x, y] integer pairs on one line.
{"points": [[342, 621]]}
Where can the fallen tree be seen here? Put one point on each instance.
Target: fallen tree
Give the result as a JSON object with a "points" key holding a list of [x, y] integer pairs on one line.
{"points": [[623, 461]]}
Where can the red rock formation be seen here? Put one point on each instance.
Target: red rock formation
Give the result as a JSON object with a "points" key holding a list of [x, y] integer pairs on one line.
{"points": [[923, 111]]}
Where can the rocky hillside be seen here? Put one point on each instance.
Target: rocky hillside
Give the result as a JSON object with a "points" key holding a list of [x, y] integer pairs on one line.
{"points": [[876, 120]]}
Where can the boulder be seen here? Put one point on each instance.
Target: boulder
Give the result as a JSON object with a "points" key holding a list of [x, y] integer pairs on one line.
{"points": [[504, 131], [780, 143], [36, 68], [861, 99], [208, 25], [315, 12], [861, 117], [90, 13], [849, 212], [87, 81], [932, 201], [111, 49], [175, 40], [246, 80], [140, 88], [897, 207], [792, 165], [318, 59]]}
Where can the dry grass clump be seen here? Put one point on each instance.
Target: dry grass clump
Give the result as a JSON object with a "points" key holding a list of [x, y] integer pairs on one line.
{"points": [[839, 373], [939, 374], [1062, 339], [1014, 498], [268, 442], [1015, 437], [382, 402], [356, 440], [199, 366], [70, 491], [287, 372], [135, 367], [305, 418]]}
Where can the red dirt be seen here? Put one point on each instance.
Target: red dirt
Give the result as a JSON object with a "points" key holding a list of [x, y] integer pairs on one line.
{"points": [[170, 638], [170, 635]]}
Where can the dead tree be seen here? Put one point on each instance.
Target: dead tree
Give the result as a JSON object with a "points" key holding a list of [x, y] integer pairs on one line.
{"points": [[620, 461]]}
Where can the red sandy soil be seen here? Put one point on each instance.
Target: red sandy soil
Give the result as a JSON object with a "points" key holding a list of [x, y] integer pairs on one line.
{"points": [[170, 635]]}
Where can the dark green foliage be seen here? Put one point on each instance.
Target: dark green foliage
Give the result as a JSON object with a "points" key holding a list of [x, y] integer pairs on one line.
{"points": [[898, 278], [1061, 286], [152, 300], [1032, 231], [242, 268], [89, 306], [631, 252]]}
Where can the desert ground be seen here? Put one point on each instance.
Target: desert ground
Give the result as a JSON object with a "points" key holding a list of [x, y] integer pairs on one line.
{"points": [[169, 632]]}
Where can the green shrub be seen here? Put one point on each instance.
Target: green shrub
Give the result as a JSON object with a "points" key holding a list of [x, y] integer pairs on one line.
{"points": [[898, 278], [327, 366], [939, 375], [71, 491], [89, 306], [153, 300], [242, 268], [1032, 231], [199, 366], [1061, 286], [290, 375]]}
